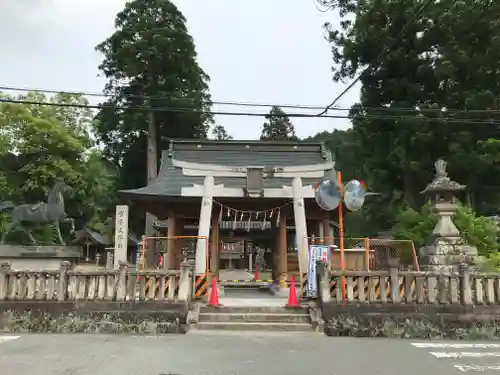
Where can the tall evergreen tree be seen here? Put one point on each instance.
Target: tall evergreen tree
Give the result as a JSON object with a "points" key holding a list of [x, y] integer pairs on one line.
{"points": [[442, 68], [220, 133], [156, 86], [278, 126]]}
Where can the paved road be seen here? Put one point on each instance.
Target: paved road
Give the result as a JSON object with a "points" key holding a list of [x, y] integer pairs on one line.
{"points": [[242, 354]]}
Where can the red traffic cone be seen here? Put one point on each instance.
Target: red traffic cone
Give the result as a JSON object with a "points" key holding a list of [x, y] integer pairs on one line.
{"points": [[292, 297], [256, 273], [214, 295]]}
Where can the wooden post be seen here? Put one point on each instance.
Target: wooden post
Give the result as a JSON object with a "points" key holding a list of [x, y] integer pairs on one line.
{"points": [[122, 281], [394, 285], [185, 281], [214, 243], [62, 290], [327, 234], [4, 280], [324, 282], [465, 286], [282, 252], [169, 261]]}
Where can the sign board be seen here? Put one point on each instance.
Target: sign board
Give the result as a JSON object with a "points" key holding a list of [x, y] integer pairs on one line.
{"points": [[232, 250], [316, 253], [121, 234]]}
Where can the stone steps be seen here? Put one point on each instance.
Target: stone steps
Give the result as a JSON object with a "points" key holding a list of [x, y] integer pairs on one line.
{"points": [[254, 318], [254, 326], [254, 310]]}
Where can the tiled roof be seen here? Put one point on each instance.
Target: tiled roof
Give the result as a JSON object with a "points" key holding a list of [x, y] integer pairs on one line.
{"points": [[170, 179]]}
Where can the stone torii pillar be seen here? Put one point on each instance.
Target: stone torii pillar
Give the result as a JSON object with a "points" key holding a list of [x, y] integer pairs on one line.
{"points": [[299, 213], [204, 225], [254, 189]]}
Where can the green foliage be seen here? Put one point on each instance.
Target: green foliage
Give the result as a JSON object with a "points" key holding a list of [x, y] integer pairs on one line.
{"points": [[43, 144], [150, 62], [415, 225], [446, 60], [477, 231], [220, 133], [278, 126]]}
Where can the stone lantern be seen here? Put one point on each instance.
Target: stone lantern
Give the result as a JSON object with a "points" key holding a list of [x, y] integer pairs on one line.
{"points": [[446, 249]]}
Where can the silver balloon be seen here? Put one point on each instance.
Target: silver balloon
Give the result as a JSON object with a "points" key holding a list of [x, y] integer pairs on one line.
{"points": [[327, 195], [354, 195]]}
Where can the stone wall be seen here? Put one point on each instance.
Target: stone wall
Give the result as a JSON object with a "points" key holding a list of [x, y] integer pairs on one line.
{"points": [[93, 317], [412, 321]]}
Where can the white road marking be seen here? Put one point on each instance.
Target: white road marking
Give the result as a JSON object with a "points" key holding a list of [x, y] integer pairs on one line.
{"points": [[8, 338], [477, 368], [454, 345], [465, 354]]}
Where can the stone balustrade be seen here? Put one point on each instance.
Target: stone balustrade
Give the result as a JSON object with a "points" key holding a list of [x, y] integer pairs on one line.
{"points": [[123, 284], [466, 287]]}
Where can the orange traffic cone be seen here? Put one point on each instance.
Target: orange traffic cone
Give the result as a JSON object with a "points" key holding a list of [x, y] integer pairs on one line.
{"points": [[214, 295], [256, 273], [292, 297]]}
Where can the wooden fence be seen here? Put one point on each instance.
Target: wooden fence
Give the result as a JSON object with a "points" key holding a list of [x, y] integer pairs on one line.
{"points": [[466, 287], [122, 284]]}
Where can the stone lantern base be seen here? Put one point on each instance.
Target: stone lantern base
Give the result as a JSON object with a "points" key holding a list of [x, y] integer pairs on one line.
{"points": [[447, 254]]}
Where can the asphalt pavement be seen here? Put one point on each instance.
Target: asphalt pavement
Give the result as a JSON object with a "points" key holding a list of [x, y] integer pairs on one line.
{"points": [[217, 353]]}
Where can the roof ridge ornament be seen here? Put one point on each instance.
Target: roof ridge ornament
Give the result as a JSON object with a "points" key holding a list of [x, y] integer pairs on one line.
{"points": [[324, 153]]}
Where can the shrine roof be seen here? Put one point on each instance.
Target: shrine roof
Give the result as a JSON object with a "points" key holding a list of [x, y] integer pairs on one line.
{"points": [[268, 154]]}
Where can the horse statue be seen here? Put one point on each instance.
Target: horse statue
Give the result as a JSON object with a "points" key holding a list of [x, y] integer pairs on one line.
{"points": [[52, 212]]}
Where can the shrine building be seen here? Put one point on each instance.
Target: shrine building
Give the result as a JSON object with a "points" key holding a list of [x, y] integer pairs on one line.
{"points": [[246, 201]]}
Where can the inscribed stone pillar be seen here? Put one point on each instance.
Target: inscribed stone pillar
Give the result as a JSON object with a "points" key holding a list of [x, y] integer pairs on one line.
{"points": [[299, 214], [204, 225], [121, 235], [169, 261]]}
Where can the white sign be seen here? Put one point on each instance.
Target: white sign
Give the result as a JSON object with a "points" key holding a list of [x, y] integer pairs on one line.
{"points": [[315, 253], [121, 234]]}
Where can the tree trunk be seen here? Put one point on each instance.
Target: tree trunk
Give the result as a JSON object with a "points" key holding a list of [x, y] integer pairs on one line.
{"points": [[152, 170]]}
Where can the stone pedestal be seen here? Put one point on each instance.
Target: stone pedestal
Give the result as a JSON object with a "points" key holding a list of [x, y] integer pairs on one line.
{"points": [[38, 258], [446, 250]]}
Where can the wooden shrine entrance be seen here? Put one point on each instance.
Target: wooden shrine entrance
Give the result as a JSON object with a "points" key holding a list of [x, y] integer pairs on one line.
{"points": [[245, 245]]}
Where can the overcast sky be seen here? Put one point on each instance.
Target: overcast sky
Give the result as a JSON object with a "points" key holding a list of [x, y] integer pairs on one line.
{"points": [[264, 51]]}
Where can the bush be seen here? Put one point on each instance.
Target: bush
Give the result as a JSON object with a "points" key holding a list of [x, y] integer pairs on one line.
{"points": [[477, 231]]}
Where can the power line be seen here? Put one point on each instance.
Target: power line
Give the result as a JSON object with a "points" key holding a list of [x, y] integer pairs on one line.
{"points": [[253, 104], [471, 121], [167, 97], [384, 51]]}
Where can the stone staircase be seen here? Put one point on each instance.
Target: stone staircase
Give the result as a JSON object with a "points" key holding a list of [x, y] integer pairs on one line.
{"points": [[254, 318]]}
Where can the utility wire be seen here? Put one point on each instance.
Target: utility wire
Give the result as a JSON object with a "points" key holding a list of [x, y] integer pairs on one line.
{"points": [[253, 114], [166, 97], [384, 51], [253, 104]]}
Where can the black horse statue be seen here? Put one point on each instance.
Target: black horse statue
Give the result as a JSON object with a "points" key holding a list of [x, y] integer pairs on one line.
{"points": [[52, 212]]}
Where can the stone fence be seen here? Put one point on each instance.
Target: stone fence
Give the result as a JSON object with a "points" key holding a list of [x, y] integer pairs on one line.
{"points": [[466, 287], [123, 284]]}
